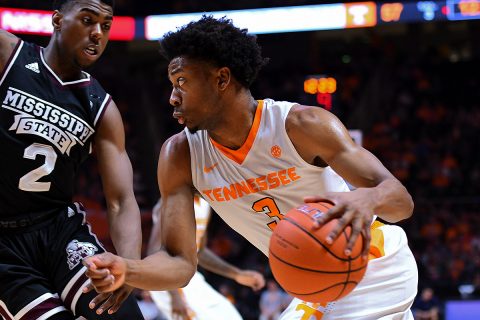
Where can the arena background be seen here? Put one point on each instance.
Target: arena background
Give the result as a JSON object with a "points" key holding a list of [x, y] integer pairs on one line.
{"points": [[409, 82]]}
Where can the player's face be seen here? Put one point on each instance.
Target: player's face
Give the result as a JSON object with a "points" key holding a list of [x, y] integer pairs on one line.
{"points": [[83, 31], [195, 95]]}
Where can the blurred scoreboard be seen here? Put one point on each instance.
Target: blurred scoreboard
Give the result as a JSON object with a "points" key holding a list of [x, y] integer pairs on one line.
{"points": [[411, 11], [418, 11], [39, 22], [332, 16], [463, 10]]}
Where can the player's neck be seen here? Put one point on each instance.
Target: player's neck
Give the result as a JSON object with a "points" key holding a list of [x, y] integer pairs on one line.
{"points": [[236, 121], [63, 67]]}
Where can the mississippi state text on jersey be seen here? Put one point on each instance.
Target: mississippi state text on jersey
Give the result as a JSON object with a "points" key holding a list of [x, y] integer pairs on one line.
{"points": [[46, 132]]}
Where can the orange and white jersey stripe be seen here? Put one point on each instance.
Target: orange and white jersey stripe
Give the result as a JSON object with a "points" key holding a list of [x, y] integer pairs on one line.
{"points": [[250, 188]]}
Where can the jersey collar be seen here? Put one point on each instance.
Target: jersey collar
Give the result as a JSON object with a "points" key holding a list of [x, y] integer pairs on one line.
{"points": [[240, 154], [66, 83]]}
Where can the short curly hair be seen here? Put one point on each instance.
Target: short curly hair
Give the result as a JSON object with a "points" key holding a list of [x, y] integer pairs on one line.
{"points": [[219, 42], [66, 4]]}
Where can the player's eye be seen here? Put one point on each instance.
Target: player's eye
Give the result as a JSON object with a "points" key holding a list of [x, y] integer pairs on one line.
{"points": [[107, 26], [180, 81], [87, 20]]}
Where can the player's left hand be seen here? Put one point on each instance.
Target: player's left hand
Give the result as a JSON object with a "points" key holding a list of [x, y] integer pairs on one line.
{"points": [[250, 278], [355, 208], [112, 301]]}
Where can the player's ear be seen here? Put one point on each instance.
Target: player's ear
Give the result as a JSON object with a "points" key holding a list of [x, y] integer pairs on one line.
{"points": [[223, 76], [57, 17]]}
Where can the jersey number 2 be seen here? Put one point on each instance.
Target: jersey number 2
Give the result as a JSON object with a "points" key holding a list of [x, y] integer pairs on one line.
{"points": [[29, 182], [269, 207]]}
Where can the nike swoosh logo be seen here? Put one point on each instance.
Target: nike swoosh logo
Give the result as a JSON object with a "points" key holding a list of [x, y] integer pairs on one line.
{"points": [[209, 169]]}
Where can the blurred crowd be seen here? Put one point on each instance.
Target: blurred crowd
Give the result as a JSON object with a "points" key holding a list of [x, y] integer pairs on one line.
{"points": [[412, 90]]}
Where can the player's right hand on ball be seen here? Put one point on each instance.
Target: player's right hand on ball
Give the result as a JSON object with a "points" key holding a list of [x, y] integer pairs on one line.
{"points": [[355, 208], [106, 272]]}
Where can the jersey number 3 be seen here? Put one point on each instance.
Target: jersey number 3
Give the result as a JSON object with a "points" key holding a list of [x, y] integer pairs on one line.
{"points": [[29, 182], [269, 207]]}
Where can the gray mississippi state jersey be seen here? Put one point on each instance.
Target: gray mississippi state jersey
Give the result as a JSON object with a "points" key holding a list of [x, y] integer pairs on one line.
{"points": [[46, 132]]}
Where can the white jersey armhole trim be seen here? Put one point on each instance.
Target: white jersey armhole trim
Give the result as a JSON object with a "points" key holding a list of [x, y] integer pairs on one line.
{"points": [[102, 109], [14, 56]]}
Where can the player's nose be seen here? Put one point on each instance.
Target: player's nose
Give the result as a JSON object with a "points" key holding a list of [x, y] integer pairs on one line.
{"points": [[96, 33], [175, 99]]}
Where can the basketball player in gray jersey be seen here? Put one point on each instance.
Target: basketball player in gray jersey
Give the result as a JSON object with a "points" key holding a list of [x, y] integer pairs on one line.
{"points": [[51, 117]]}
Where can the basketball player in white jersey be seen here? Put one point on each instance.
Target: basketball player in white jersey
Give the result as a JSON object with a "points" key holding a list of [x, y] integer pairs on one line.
{"points": [[198, 300], [253, 160]]}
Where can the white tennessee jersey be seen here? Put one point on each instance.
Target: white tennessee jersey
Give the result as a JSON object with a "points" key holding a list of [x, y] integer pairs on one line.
{"points": [[202, 216], [250, 188]]}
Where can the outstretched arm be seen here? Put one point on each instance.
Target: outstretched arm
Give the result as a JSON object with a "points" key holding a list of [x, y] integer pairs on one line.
{"points": [[175, 263], [117, 178], [122, 209], [320, 137], [210, 261]]}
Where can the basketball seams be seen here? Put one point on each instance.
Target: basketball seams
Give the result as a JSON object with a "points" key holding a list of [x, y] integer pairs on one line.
{"points": [[287, 219], [349, 270], [333, 274], [347, 238], [313, 219], [349, 267], [324, 289]]}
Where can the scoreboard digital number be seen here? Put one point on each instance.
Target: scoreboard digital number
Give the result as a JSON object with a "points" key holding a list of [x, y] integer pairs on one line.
{"points": [[323, 87]]}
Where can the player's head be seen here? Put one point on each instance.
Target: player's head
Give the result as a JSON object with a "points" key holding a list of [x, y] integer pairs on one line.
{"points": [[207, 58], [218, 42], [82, 29], [63, 4]]}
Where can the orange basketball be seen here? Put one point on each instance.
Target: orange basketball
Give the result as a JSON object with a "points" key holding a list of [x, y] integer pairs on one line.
{"points": [[305, 265]]}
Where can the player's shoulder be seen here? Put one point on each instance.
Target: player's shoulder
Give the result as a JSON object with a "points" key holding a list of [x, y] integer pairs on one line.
{"points": [[176, 147], [303, 117], [177, 140], [99, 97], [174, 161], [8, 43]]}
